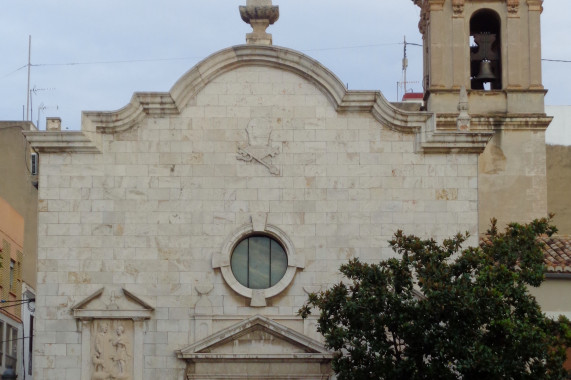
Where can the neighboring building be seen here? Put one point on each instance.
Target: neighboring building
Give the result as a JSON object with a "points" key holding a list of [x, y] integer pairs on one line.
{"points": [[19, 229], [411, 101], [558, 139], [554, 292], [179, 236], [11, 254]]}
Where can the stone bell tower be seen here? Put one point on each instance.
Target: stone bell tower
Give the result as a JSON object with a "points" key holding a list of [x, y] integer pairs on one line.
{"points": [[482, 71]]}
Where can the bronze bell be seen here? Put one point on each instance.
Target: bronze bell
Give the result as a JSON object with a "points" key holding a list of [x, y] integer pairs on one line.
{"points": [[486, 74]]}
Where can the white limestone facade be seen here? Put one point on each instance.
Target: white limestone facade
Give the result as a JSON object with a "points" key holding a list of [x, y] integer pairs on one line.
{"points": [[145, 213], [139, 213]]}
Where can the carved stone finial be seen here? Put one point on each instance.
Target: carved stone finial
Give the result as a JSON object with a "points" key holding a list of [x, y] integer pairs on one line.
{"points": [[463, 121], [259, 14]]}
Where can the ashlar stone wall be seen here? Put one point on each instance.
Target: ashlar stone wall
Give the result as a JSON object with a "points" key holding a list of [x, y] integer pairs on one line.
{"points": [[151, 210]]}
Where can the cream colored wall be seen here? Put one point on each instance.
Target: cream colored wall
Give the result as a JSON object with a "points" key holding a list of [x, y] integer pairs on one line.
{"points": [[558, 186], [17, 189], [511, 178], [152, 210], [553, 296]]}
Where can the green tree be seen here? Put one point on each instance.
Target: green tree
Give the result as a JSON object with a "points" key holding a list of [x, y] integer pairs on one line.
{"points": [[443, 312]]}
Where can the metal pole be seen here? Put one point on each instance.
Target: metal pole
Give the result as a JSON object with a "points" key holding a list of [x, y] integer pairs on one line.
{"points": [[404, 65], [29, 66]]}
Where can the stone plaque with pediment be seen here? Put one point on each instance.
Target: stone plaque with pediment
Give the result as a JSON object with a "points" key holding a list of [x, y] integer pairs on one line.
{"points": [[112, 327], [112, 349]]}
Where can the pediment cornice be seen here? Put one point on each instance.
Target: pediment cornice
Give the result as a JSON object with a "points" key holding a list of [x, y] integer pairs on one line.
{"points": [[205, 349]]}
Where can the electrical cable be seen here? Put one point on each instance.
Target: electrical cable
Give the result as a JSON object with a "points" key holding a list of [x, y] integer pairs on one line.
{"points": [[357, 46], [555, 60], [15, 71], [114, 62], [13, 305], [12, 340], [188, 58], [22, 300]]}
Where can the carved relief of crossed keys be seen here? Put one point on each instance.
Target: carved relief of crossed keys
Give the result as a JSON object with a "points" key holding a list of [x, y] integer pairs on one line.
{"points": [[259, 132]]}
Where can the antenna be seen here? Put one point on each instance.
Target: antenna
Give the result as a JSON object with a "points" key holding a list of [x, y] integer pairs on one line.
{"points": [[405, 82], [404, 65], [41, 108], [34, 91], [29, 67]]}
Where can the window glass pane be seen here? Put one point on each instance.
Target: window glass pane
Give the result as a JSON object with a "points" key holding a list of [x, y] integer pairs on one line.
{"points": [[14, 342], [7, 340], [12, 263], [259, 262], [278, 263], [239, 262]]}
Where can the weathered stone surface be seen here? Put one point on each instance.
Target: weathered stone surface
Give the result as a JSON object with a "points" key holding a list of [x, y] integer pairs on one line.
{"points": [[151, 208]]}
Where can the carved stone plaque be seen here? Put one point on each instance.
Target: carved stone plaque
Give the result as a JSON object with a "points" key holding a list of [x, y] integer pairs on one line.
{"points": [[112, 349], [259, 148]]}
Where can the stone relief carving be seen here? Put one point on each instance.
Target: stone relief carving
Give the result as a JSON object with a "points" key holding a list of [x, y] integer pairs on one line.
{"points": [[259, 145], [424, 15], [463, 120], [458, 7], [112, 350], [513, 6]]}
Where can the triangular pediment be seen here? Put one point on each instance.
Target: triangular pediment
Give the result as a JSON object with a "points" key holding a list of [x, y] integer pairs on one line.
{"points": [[112, 304], [256, 337]]}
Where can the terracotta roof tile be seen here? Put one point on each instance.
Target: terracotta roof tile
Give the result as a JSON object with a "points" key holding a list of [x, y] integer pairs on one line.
{"points": [[557, 252]]}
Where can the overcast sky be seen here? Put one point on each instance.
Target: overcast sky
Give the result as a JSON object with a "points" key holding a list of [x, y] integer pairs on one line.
{"points": [[92, 55]]}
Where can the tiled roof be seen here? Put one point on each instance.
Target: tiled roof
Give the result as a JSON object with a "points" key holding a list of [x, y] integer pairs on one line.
{"points": [[557, 252]]}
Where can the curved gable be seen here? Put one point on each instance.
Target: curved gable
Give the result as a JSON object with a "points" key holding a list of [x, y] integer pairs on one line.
{"points": [[227, 60]]}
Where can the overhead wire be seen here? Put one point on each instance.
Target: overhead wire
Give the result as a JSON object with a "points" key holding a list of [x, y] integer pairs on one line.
{"points": [[15, 71], [186, 58], [556, 60], [114, 62]]}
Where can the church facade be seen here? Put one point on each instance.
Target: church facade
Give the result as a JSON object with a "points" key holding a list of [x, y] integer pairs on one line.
{"points": [[179, 236]]}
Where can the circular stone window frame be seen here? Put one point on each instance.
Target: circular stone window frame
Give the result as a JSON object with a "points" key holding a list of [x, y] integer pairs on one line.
{"points": [[258, 296]]}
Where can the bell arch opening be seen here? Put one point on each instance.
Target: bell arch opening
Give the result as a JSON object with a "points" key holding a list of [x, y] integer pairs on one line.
{"points": [[485, 50]]}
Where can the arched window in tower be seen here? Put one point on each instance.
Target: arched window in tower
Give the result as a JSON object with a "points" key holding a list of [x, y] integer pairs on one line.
{"points": [[485, 51]]}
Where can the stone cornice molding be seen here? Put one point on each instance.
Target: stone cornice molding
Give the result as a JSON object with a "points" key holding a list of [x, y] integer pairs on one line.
{"points": [[142, 104], [271, 56], [164, 104], [436, 5], [61, 142], [203, 349], [434, 140], [535, 5], [487, 123], [83, 311]]}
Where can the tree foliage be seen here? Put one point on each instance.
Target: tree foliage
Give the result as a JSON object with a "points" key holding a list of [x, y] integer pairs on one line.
{"points": [[443, 312]]}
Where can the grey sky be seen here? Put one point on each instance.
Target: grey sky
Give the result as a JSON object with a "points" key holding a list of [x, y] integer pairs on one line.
{"points": [[359, 40]]}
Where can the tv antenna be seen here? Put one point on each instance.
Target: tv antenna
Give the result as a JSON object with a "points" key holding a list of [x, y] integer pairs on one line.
{"points": [[34, 91], [404, 68], [41, 108]]}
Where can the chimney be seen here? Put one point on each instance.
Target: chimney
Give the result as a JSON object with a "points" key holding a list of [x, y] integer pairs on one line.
{"points": [[53, 124]]}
